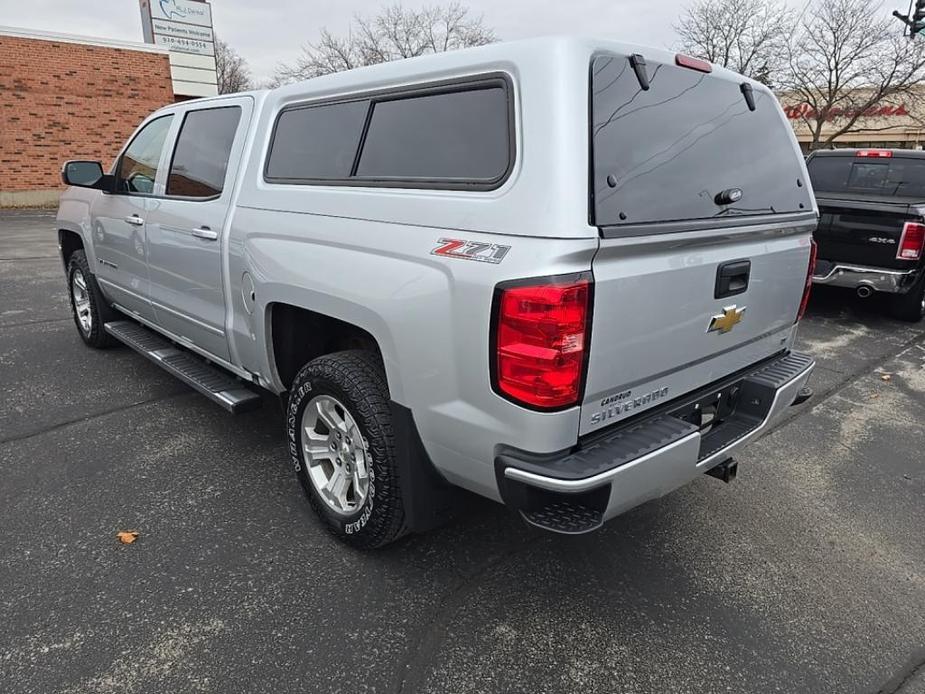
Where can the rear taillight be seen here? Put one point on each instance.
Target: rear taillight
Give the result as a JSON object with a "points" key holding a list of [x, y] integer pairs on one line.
{"points": [[541, 331], [911, 242], [804, 302], [874, 153]]}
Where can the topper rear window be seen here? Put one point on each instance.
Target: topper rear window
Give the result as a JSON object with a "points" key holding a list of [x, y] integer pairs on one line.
{"points": [[665, 154]]}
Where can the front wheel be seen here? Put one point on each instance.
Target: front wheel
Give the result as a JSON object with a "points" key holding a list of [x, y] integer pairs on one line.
{"points": [[88, 306], [341, 445], [910, 307]]}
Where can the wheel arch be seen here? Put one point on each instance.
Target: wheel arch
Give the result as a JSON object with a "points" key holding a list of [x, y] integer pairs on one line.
{"points": [[69, 241], [296, 334], [74, 224]]}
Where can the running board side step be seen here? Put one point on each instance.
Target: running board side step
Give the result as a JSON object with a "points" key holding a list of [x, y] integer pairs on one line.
{"points": [[217, 385]]}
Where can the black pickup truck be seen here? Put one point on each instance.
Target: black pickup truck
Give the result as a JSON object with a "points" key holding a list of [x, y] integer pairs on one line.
{"points": [[872, 224]]}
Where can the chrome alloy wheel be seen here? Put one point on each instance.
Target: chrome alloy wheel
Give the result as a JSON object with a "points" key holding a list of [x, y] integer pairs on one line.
{"points": [[81, 296], [336, 455]]}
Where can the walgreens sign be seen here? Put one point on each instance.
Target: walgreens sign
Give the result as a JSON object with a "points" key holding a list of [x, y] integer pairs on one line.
{"points": [[807, 111]]}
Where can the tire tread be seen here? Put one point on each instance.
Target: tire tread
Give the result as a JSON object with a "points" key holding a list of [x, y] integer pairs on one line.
{"points": [[101, 311], [360, 375]]}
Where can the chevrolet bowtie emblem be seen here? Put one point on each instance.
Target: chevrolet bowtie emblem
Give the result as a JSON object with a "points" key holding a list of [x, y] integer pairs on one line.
{"points": [[727, 320]]}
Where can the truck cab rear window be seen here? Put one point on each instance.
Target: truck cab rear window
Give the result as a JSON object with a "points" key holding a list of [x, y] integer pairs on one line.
{"points": [[457, 136], [667, 153], [891, 177]]}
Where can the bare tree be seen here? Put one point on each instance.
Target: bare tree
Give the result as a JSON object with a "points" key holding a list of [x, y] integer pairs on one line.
{"points": [[847, 62], [395, 32], [231, 69], [748, 36]]}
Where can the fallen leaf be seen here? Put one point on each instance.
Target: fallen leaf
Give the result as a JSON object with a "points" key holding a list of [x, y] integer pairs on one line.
{"points": [[886, 377], [127, 537]]}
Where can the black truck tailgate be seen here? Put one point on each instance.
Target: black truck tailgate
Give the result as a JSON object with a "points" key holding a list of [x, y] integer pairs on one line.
{"points": [[862, 231]]}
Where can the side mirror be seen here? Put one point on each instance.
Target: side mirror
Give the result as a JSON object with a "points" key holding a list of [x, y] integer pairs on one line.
{"points": [[85, 174]]}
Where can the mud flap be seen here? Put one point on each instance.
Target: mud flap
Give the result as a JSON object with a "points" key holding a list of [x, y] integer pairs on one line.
{"points": [[428, 499]]}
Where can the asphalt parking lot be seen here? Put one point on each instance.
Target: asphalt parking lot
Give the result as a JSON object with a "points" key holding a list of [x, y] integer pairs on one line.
{"points": [[807, 574]]}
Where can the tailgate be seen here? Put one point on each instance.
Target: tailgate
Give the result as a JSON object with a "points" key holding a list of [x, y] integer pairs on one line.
{"points": [[654, 308], [705, 212], [861, 232]]}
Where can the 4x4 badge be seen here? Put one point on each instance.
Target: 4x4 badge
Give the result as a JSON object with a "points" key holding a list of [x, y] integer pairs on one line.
{"points": [[727, 320], [471, 250]]}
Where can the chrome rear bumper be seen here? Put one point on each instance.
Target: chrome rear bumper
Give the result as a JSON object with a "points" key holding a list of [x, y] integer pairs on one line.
{"points": [[876, 279], [646, 460]]}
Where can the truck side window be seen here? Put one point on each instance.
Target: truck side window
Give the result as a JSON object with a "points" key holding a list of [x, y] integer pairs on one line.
{"points": [[200, 159], [458, 135], [137, 168], [316, 142]]}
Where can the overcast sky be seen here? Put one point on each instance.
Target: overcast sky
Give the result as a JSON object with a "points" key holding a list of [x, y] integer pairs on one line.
{"points": [[266, 32]]}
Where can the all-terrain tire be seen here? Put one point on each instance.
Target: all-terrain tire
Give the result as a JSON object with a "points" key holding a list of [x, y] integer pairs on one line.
{"points": [[910, 307], [95, 309], [355, 379]]}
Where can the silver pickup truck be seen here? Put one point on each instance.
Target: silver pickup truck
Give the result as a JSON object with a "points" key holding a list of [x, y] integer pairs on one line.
{"points": [[565, 274]]}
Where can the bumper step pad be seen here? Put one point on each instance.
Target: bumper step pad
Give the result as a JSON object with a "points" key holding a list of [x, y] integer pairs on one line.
{"points": [[606, 452], [566, 517], [217, 385], [614, 470]]}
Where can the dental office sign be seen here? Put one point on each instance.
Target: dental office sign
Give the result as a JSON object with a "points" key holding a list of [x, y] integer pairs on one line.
{"points": [[184, 26]]}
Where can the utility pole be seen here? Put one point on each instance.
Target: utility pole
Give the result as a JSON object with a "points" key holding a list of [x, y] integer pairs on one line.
{"points": [[916, 22]]}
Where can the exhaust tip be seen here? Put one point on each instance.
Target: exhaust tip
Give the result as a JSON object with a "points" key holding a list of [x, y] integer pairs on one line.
{"points": [[864, 291]]}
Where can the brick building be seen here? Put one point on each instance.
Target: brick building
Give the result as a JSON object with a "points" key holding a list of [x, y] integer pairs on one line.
{"points": [[65, 97]]}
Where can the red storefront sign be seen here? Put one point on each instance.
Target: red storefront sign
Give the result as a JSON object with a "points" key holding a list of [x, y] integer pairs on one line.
{"points": [[807, 111]]}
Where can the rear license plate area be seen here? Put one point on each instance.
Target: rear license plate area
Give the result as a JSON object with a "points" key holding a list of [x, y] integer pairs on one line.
{"points": [[709, 411]]}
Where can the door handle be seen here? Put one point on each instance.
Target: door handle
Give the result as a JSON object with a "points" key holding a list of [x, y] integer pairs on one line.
{"points": [[732, 278], [205, 233], [135, 220]]}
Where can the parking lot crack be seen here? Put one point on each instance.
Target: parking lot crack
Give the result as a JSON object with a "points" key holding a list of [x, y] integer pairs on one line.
{"points": [[89, 417], [36, 322], [911, 671], [850, 379]]}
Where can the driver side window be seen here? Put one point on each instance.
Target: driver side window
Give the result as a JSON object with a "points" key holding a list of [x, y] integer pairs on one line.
{"points": [[138, 165]]}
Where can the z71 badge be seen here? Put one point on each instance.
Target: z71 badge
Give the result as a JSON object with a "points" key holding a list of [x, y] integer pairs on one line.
{"points": [[471, 250]]}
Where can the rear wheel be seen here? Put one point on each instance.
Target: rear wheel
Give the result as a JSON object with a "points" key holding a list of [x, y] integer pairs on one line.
{"points": [[910, 306], [339, 427], [87, 303]]}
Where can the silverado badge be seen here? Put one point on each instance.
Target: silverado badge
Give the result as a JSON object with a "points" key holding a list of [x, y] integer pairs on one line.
{"points": [[727, 320]]}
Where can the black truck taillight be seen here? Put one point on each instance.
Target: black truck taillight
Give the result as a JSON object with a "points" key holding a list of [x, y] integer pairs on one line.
{"points": [[911, 242], [540, 340]]}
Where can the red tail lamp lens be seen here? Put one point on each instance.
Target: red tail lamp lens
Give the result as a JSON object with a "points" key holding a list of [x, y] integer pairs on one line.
{"points": [[542, 340], [804, 302], [911, 242]]}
